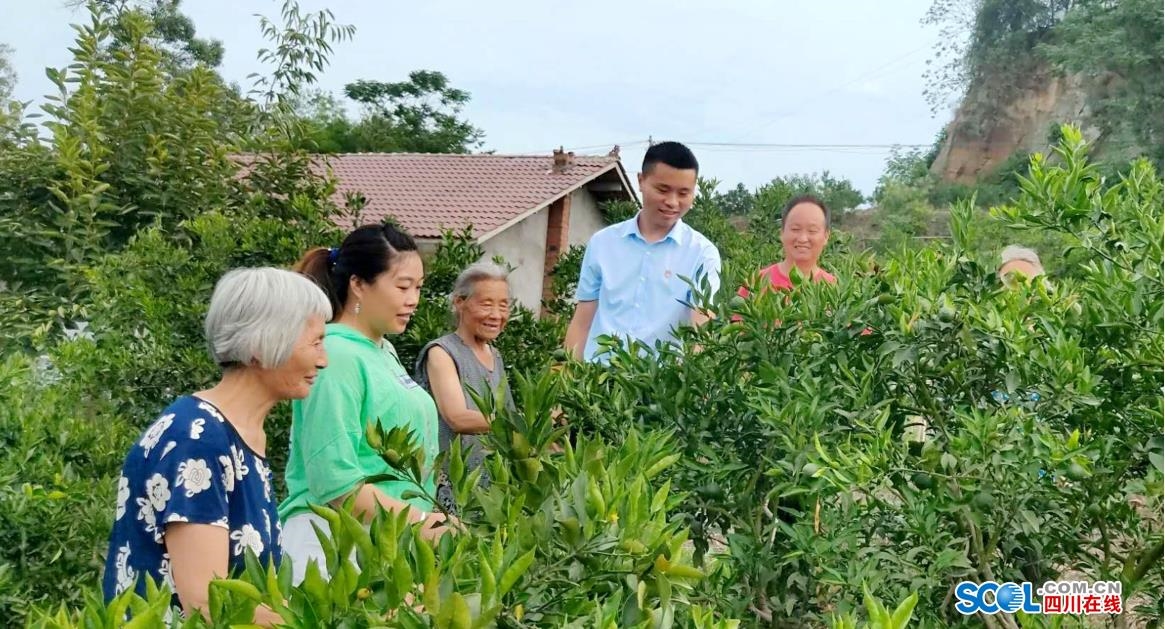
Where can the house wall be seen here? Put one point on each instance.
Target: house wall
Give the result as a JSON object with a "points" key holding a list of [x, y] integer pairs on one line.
{"points": [[427, 247], [585, 217], [524, 247]]}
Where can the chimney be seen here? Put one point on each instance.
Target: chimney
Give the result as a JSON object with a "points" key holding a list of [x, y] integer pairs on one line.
{"points": [[562, 160]]}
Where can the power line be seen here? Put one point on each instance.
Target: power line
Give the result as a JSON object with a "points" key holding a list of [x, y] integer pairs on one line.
{"points": [[590, 147], [757, 147], [608, 145], [804, 146], [869, 74], [773, 117]]}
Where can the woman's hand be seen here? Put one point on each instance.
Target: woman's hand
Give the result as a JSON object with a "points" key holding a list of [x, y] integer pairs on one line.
{"points": [[265, 617], [437, 524]]}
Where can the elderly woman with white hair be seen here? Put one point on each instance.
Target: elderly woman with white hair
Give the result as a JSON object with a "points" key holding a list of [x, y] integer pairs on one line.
{"points": [[465, 360], [195, 490], [1021, 260]]}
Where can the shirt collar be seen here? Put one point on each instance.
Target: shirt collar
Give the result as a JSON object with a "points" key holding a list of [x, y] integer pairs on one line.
{"points": [[347, 332], [631, 228]]}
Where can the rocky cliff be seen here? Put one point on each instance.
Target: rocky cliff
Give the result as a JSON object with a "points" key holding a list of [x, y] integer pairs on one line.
{"points": [[994, 122]]}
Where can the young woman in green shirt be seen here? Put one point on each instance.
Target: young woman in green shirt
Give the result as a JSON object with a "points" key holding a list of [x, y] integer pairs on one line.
{"points": [[373, 281]]}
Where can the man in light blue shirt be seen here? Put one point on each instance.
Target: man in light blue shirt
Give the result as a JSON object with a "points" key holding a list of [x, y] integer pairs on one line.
{"points": [[634, 279]]}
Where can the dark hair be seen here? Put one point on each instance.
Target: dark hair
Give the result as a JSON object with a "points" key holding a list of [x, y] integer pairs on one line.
{"points": [[810, 199], [366, 253], [673, 154]]}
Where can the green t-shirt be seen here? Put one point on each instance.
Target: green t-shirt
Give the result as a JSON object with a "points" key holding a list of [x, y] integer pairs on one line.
{"points": [[329, 454]]}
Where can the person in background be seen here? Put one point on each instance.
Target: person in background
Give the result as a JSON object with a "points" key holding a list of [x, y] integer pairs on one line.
{"points": [[374, 283], [1022, 261], [1018, 262], [195, 491], [632, 285], [805, 225], [465, 360]]}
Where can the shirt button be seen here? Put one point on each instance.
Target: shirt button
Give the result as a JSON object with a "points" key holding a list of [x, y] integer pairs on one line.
{"points": [[636, 305], [642, 279]]}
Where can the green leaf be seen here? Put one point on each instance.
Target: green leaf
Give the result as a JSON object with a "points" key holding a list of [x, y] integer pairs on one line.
{"points": [[402, 577], [874, 607], [425, 559], [901, 617], [659, 500], [661, 465], [514, 572], [460, 615], [240, 587]]}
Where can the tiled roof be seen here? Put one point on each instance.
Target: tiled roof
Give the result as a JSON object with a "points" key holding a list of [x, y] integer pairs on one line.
{"points": [[428, 192]]}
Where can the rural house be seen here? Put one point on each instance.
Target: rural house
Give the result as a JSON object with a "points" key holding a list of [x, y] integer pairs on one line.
{"points": [[528, 209]]}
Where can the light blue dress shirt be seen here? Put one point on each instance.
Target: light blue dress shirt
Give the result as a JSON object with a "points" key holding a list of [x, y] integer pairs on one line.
{"points": [[640, 286]]}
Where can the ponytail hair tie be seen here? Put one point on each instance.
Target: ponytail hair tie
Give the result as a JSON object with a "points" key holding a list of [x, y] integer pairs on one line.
{"points": [[333, 255]]}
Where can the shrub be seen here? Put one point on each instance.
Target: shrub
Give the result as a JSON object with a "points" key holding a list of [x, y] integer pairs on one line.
{"points": [[794, 436]]}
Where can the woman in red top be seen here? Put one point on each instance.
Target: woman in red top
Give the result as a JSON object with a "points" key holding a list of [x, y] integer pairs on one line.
{"points": [[805, 226]]}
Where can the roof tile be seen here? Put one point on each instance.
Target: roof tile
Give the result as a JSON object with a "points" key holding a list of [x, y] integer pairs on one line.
{"points": [[428, 192]]}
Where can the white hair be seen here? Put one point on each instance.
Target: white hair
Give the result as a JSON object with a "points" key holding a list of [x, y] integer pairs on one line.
{"points": [[477, 272], [258, 315], [1011, 253], [468, 279]]}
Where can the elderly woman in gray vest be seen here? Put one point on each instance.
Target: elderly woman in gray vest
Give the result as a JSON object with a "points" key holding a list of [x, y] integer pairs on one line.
{"points": [[464, 360]]}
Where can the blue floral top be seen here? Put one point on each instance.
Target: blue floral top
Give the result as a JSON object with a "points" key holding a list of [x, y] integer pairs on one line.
{"points": [[1025, 398], [189, 466]]}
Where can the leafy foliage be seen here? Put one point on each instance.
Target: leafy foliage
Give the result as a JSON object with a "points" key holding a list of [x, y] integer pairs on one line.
{"points": [[123, 220], [7, 73], [420, 115], [875, 440], [766, 202], [173, 33], [57, 484], [997, 44], [985, 37], [905, 214], [804, 480], [577, 539], [1130, 34]]}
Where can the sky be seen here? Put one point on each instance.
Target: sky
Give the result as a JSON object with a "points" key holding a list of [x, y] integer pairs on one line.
{"points": [[585, 76]]}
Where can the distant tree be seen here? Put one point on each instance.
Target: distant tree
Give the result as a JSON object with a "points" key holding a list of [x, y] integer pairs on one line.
{"points": [[904, 215], [174, 31], [839, 194], [420, 115], [325, 125], [947, 73], [984, 37], [736, 202], [7, 73], [905, 167], [14, 130], [177, 31], [1122, 39]]}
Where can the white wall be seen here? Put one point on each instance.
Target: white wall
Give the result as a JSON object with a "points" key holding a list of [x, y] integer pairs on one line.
{"points": [[427, 246], [585, 217], [524, 247]]}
